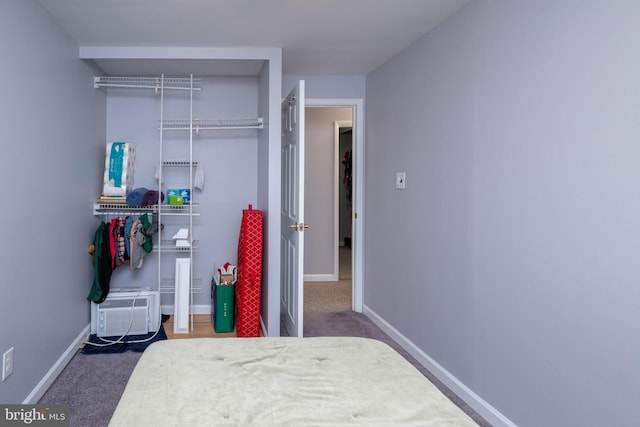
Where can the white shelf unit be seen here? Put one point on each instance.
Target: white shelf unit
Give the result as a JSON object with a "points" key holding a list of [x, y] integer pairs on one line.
{"points": [[167, 246]]}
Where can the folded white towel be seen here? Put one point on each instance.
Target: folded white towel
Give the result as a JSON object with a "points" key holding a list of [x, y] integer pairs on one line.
{"points": [[183, 233], [198, 181]]}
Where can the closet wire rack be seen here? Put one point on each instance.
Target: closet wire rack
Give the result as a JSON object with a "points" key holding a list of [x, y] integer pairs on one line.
{"points": [[123, 209], [169, 245], [209, 124], [156, 83], [179, 163], [167, 284]]}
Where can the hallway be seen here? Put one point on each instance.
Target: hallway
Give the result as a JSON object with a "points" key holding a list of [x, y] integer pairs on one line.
{"points": [[331, 296]]}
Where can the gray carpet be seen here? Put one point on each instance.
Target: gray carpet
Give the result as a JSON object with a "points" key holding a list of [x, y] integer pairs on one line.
{"points": [[92, 384]]}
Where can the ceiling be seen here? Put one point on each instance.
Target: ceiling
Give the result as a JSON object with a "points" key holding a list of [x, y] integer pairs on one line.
{"points": [[317, 37]]}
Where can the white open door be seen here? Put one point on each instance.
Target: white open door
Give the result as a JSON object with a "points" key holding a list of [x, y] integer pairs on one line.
{"points": [[292, 211]]}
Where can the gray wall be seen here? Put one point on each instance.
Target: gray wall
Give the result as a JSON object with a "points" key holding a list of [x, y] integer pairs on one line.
{"points": [[327, 86], [319, 187], [53, 126], [269, 171], [516, 240]]}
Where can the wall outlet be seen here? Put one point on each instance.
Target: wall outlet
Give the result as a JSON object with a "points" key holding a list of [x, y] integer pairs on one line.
{"points": [[400, 180], [7, 363]]}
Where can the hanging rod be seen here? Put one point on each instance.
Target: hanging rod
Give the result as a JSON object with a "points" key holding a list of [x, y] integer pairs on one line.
{"points": [[175, 83], [200, 124]]}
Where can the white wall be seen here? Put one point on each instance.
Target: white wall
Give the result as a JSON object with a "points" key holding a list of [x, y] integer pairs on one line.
{"points": [[320, 175], [53, 131], [515, 243]]}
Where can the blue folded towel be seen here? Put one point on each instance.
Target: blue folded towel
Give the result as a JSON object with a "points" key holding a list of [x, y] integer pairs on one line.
{"points": [[134, 198]]}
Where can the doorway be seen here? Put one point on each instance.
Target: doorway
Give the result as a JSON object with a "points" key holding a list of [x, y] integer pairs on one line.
{"points": [[333, 253]]}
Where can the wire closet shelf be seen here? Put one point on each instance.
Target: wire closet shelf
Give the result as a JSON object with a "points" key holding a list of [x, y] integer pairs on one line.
{"points": [[121, 209], [155, 83], [211, 124]]}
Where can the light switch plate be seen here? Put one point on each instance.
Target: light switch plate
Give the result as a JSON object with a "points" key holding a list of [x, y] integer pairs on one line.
{"points": [[400, 180]]}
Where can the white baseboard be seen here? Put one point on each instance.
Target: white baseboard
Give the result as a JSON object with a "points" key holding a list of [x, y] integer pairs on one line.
{"points": [[57, 368], [320, 278], [491, 414]]}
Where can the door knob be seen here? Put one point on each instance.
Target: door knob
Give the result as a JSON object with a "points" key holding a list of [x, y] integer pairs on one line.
{"points": [[298, 226]]}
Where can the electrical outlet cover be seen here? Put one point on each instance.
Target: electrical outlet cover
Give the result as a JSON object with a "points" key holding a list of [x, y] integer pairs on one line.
{"points": [[7, 363]]}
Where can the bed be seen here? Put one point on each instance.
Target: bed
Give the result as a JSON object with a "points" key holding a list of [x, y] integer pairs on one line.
{"points": [[281, 381]]}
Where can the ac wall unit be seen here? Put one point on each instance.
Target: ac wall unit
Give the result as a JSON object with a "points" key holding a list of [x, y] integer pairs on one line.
{"points": [[126, 313]]}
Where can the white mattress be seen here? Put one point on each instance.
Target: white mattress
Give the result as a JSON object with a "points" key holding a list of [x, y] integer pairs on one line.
{"points": [[329, 381]]}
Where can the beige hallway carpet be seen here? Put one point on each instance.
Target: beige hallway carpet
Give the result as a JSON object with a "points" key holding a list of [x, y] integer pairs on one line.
{"points": [[331, 296]]}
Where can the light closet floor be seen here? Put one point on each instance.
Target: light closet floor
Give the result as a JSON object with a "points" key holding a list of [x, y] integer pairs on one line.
{"points": [[202, 328]]}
